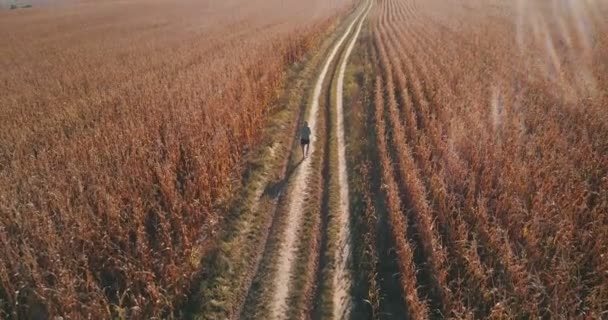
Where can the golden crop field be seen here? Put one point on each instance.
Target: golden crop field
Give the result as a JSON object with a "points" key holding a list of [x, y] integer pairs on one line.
{"points": [[123, 123], [491, 126], [152, 160]]}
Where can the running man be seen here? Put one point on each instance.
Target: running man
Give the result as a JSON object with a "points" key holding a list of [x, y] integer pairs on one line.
{"points": [[305, 139]]}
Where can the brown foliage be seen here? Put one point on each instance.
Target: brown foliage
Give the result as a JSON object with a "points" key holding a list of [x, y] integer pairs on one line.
{"points": [[416, 306], [124, 125], [497, 113]]}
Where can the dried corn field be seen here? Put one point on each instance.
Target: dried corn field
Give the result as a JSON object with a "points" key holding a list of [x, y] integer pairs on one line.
{"points": [[123, 128], [150, 161], [491, 133]]}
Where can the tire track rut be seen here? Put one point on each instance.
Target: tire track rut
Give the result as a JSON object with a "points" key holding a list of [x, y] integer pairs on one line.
{"points": [[342, 279], [287, 251]]}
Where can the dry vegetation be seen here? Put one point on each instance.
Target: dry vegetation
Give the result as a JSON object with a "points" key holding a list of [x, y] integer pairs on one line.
{"points": [[491, 126], [123, 125]]}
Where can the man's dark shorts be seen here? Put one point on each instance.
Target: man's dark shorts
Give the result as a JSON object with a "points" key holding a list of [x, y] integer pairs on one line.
{"points": [[304, 142]]}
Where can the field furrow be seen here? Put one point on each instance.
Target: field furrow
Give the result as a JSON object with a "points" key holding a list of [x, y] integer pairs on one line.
{"points": [[417, 307], [421, 79], [430, 257], [513, 269], [454, 232]]}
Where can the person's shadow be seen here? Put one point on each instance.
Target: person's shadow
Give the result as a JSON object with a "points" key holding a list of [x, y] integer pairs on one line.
{"points": [[273, 190]]}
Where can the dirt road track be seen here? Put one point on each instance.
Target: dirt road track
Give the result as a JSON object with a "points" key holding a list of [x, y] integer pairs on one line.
{"points": [[281, 283], [342, 281]]}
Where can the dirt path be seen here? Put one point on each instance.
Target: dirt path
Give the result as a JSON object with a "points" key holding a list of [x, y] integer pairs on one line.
{"points": [[342, 279], [287, 251]]}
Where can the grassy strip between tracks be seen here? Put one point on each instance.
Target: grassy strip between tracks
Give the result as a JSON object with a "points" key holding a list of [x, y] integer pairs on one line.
{"points": [[358, 99], [331, 199]]}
